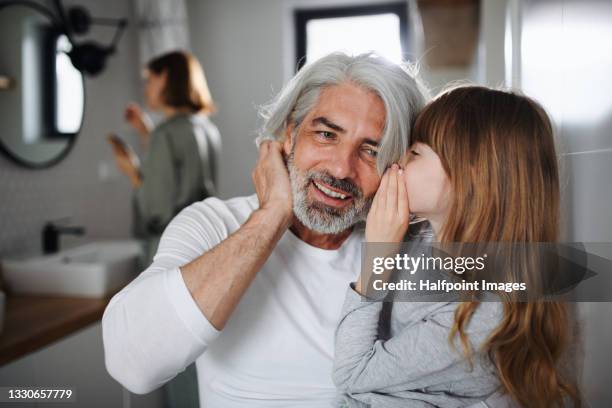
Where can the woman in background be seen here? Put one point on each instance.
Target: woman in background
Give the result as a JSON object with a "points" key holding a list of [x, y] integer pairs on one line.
{"points": [[482, 169], [181, 152], [179, 167]]}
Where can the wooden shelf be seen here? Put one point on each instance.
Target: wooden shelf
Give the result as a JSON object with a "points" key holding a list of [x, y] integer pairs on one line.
{"points": [[33, 322]]}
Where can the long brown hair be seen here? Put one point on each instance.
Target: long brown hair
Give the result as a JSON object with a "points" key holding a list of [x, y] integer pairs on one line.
{"points": [[498, 151], [185, 81]]}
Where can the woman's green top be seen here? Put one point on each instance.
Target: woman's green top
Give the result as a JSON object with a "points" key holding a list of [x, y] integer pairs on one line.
{"points": [[178, 169]]}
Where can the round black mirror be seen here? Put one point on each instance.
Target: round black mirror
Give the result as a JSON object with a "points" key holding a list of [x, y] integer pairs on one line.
{"points": [[42, 95]]}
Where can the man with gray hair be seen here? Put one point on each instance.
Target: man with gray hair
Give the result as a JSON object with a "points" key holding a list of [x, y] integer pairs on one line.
{"points": [[251, 288]]}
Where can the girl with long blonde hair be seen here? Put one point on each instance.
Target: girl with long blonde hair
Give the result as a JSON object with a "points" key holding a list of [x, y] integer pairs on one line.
{"points": [[482, 169]]}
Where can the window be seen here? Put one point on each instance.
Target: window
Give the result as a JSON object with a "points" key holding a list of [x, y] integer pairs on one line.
{"points": [[381, 28], [69, 93]]}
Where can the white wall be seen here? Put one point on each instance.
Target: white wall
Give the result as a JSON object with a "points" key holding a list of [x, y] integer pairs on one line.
{"points": [[239, 44], [491, 67]]}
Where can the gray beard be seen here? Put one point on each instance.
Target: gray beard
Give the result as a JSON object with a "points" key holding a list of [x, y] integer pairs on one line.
{"points": [[319, 217]]}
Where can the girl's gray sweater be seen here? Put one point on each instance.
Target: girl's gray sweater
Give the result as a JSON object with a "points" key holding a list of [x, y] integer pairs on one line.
{"points": [[413, 364]]}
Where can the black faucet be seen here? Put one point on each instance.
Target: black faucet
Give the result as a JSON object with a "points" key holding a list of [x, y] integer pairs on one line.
{"points": [[51, 233]]}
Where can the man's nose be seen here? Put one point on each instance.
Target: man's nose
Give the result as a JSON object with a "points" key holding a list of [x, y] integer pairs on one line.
{"points": [[342, 164]]}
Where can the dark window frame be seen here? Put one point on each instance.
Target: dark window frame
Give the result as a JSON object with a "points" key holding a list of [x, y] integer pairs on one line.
{"points": [[302, 16]]}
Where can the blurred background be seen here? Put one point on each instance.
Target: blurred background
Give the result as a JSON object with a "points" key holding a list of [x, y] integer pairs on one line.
{"points": [[62, 169]]}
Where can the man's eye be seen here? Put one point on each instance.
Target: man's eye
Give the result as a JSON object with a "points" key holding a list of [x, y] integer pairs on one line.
{"points": [[414, 152], [325, 134], [371, 152]]}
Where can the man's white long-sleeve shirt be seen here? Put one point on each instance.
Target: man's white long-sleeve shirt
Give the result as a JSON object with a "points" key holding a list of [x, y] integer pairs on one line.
{"points": [[276, 349]]}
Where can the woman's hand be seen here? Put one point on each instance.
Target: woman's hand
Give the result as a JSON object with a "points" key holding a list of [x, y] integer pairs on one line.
{"points": [[128, 165], [138, 120], [389, 215], [271, 180]]}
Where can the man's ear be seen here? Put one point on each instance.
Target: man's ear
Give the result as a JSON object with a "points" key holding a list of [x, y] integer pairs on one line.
{"points": [[288, 142]]}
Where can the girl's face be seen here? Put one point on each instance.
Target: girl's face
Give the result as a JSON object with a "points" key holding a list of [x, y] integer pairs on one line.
{"points": [[154, 86], [427, 184]]}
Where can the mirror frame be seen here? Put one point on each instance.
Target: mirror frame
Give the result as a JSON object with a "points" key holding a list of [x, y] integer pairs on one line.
{"points": [[70, 137]]}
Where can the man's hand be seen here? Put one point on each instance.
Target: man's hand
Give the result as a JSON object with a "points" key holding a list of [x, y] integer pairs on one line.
{"points": [[389, 215], [271, 181], [218, 279]]}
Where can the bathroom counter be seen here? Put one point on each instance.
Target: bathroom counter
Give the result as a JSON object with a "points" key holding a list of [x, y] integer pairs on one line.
{"points": [[33, 322]]}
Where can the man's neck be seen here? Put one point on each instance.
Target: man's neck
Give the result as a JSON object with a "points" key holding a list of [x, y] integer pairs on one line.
{"points": [[319, 240]]}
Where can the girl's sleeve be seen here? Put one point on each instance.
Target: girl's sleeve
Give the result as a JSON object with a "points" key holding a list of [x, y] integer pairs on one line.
{"points": [[410, 360]]}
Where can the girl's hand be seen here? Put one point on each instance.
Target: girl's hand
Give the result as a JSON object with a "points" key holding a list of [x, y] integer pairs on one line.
{"points": [[389, 215], [387, 220]]}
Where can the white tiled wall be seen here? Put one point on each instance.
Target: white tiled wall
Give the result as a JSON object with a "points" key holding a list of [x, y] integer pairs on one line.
{"points": [[566, 66], [589, 202]]}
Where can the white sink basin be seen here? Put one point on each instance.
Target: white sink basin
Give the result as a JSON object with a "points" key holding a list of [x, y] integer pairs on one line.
{"points": [[92, 270]]}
